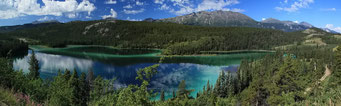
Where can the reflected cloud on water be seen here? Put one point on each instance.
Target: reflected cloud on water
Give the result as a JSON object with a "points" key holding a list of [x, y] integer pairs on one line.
{"points": [[168, 77]]}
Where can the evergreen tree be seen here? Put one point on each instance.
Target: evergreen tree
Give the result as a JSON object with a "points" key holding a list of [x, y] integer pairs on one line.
{"points": [[182, 91], [60, 92], [219, 86], [90, 77], [208, 87], [74, 85], [84, 89], [162, 95], [34, 67], [336, 76], [67, 74]]}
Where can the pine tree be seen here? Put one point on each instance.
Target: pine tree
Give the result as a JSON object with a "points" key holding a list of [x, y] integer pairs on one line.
{"points": [[162, 95], [336, 76], [220, 84], [74, 85], [90, 77], [181, 89], [67, 74], [84, 89], [230, 85], [34, 67], [208, 87]]}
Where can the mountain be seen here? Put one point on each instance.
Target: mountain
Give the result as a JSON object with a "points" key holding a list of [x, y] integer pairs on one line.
{"points": [[150, 20], [288, 26], [330, 31], [28, 25], [214, 18], [229, 18], [306, 24]]}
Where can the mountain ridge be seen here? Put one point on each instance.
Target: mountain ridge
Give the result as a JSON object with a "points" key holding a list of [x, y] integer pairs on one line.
{"points": [[228, 18], [28, 25]]}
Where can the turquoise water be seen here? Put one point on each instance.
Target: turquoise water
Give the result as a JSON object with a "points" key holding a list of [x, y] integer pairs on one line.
{"points": [[195, 70]]}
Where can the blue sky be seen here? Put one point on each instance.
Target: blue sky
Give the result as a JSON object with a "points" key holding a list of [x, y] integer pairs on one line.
{"points": [[320, 13]]}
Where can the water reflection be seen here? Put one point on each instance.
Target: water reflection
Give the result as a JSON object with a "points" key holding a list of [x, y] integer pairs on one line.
{"points": [[168, 77]]}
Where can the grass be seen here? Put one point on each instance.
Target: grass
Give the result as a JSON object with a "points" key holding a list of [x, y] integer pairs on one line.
{"points": [[7, 98]]}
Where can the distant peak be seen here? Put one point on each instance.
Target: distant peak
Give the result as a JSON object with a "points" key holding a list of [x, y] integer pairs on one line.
{"points": [[271, 20], [306, 24], [46, 21]]}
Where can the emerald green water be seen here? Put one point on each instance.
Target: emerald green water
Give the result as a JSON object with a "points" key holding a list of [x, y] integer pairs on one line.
{"points": [[122, 64]]}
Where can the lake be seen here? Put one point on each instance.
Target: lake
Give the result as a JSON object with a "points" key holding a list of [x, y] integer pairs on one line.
{"points": [[122, 64]]}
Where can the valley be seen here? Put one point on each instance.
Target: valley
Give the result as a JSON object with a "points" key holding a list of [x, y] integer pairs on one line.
{"points": [[215, 58]]}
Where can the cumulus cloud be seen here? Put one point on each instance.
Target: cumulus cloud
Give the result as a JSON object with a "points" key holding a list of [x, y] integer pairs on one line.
{"points": [[46, 18], [296, 6], [128, 6], [139, 3], [113, 14], [133, 11], [234, 10], [186, 6], [159, 1], [331, 26], [215, 4], [111, 2], [15, 8]]}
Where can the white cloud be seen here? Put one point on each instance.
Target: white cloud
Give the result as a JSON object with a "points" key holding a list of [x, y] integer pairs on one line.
{"points": [[133, 11], [15, 8], [296, 6], [71, 15], [46, 18], [164, 7], [113, 14], [159, 1], [329, 9], [186, 6], [237, 10], [296, 22], [331, 26], [88, 17], [263, 19], [128, 6], [215, 4], [139, 3], [111, 2]]}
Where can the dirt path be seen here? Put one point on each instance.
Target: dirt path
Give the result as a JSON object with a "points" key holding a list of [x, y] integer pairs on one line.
{"points": [[327, 73]]}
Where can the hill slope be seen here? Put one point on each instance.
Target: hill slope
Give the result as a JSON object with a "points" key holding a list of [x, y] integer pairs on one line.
{"points": [[177, 38]]}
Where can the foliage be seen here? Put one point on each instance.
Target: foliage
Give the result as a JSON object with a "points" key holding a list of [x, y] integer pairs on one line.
{"points": [[7, 98], [34, 67], [10, 47]]}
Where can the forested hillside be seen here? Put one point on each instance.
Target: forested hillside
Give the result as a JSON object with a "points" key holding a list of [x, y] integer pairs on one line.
{"points": [[175, 38], [10, 46]]}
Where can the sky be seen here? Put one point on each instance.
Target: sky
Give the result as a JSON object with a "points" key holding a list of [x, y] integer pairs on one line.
{"points": [[320, 13]]}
